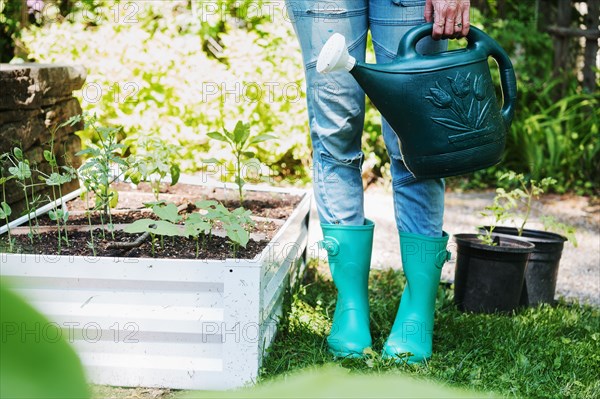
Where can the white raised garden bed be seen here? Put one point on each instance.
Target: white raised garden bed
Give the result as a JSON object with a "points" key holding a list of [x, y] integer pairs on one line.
{"points": [[184, 324]]}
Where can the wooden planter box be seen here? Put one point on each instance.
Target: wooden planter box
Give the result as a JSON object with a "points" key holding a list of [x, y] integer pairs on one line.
{"points": [[184, 324]]}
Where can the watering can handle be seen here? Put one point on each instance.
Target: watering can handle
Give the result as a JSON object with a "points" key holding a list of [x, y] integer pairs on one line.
{"points": [[478, 41]]}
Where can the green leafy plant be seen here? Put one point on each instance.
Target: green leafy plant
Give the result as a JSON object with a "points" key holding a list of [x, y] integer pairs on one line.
{"points": [[103, 167], [5, 209], [166, 226], [500, 211], [21, 172], [55, 180], [236, 223], [517, 203], [154, 160], [211, 214], [523, 195], [559, 138], [551, 224], [197, 224], [240, 143]]}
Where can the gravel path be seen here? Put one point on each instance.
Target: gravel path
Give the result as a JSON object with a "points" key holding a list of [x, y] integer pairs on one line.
{"points": [[579, 274]]}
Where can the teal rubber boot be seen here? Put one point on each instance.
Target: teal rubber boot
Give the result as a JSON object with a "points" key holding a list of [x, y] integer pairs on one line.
{"points": [[412, 332], [349, 251]]}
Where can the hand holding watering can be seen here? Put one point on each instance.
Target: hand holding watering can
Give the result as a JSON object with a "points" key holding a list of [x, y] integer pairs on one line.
{"points": [[451, 122]]}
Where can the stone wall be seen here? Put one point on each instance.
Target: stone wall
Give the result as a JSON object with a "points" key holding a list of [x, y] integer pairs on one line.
{"points": [[34, 98]]}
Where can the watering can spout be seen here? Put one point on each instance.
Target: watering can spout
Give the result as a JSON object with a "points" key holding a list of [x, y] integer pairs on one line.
{"points": [[442, 106], [335, 56]]}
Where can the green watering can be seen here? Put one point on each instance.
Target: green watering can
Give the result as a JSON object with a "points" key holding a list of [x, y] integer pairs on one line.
{"points": [[442, 106]]}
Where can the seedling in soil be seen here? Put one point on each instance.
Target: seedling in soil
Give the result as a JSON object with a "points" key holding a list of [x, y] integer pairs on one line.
{"points": [[167, 226], [196, 225], [167, 212], [154, 227], [21, 171], [154, 161], [236, 223], [55, 180], [240, 143], [102, 168], [212, 213], [5, 210]]}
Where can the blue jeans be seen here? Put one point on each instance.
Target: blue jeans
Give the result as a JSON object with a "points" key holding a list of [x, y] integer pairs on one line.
{"points": [[336, 110]]}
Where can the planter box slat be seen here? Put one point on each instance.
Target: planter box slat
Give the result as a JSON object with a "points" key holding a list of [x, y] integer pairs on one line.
{"points": [[181, 324], [150, 318], [107, 372], [144, 270], [101, 297], [206, 372]]}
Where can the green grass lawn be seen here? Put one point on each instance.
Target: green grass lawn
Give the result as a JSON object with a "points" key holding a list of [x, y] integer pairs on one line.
{"points": [[537, 352]]}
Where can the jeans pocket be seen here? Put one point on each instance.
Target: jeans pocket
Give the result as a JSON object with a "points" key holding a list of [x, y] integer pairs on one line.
{"points": [[333, 10], [409, 3]]}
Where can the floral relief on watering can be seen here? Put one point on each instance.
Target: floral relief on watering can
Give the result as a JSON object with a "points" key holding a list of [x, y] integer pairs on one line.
{"points": [[468, 106], [442, 106]]}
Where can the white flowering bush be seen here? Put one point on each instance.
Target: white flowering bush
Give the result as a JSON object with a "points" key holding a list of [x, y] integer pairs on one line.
{"points": [[162, 71]]}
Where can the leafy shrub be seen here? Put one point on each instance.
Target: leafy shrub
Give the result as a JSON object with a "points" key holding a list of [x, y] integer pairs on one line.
{"points": [[179, 74]]}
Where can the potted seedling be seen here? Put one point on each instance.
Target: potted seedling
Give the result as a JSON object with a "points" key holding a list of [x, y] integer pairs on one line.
{"points": [[490, 268], [543, 265]]}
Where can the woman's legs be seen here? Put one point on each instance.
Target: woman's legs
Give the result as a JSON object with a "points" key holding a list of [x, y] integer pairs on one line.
{"points": [[336, 117], [336, 106]]}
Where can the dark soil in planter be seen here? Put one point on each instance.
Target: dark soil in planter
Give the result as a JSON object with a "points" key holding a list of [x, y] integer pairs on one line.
{"points": [[131, 207], [263, 204], [215, 247], [79, 218]]}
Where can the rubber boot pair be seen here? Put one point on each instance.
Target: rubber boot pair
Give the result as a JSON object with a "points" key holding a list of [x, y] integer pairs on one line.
{"points": [[349, 251]]}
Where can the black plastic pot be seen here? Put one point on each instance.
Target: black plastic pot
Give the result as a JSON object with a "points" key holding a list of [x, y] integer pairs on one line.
{"points": [[542, 269], [487, 278]]}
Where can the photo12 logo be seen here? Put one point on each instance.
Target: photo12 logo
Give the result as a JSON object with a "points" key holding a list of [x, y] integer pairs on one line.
{"points": [[117, 92], [207, 11], [49, 11], [252, 92], [71, 331]]}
